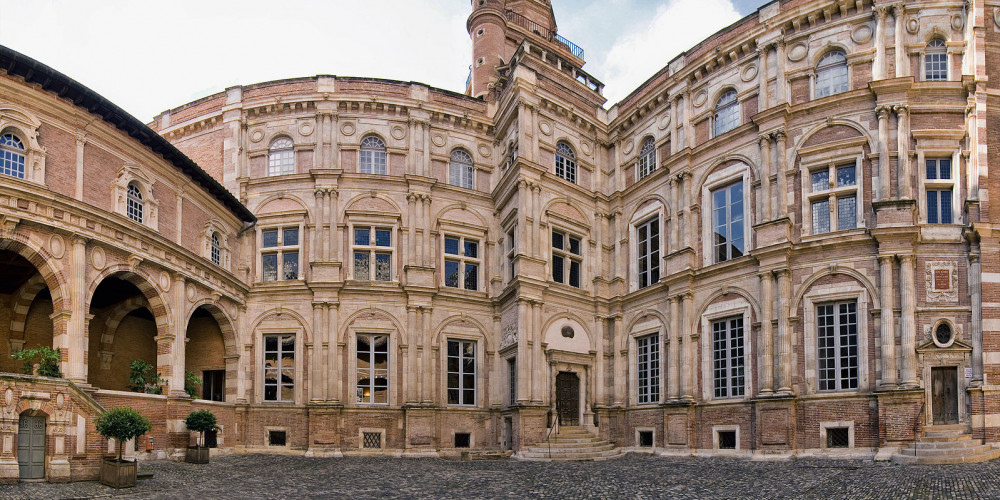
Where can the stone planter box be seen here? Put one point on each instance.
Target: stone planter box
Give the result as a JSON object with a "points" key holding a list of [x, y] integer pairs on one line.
{"points": [[118, 474], [197, 455]]}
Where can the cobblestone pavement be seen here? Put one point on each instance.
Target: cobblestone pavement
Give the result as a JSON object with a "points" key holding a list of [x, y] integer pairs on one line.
{"points": [[267, 476]]}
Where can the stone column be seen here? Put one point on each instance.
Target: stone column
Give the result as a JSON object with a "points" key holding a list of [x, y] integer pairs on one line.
{"points": [[900, 14], [907, 323], [881, 13], [411, 144], [317, 236], [688, 349], [334, 140], [336, 373], [762, 99], [315, 371], [428, 224], [688, 126], [780, 139], [410, 249], [621, 358], [175, 359], [522, 219], [523, 355], [674, 139], [767, 333], [883, 153], [323, 352], [976, 323], [672, 235], [541, 370], [598, 264], [536, 214], [781, 84], [74, 348], [887, 326], [427, 357], [903, 151], [674, 352], [412, 328], [784, 332], [332, 243], [425, 165], [599, 328], [81, 141], [764, 142], [496, 371], [690, 221], [243, 359]]}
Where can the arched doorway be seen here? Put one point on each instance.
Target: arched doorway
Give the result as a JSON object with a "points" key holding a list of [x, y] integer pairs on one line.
{"points": [[122, 330], [25, 309], [31, 446], [205, 354]]}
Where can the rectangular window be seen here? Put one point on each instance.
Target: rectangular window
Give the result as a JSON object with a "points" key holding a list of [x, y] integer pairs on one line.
{"points": [[511, 253], [566, 258], [372, 253], [821, 216], [840, 195], [727, 222], [279, 367], [373, 369], [512, 381], [936, 66], [461, 372], [847, 212], [837, 342], [728, 365], [648, 250], [939, 191], [279, 247], [846, 176], [647, 357], [461, 263], [820, 180], [213, 384]]}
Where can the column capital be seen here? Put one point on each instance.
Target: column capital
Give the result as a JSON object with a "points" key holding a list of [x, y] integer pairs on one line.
{"points": [[764, 140], [882, 112], [886, 258], [905, 259], [881, 11], [782, 273]]}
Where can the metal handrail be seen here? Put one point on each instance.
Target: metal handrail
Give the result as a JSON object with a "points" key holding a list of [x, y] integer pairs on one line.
{"points": [[542, 31], [553, 427], [916, 423]]}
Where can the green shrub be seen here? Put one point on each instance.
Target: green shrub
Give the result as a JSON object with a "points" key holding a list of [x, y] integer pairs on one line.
{"points": [[47, 358], [142, 377], [200, 421], [191, 384], [122, 424]]}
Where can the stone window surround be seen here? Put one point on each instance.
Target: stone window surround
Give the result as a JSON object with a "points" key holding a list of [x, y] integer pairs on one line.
{"points": [[738, 172], [823, 426], [267, 433], [453, 164], [556, 222], [651, 164], [277, 152], [643, 330], [470, 432], [644, 429], [375, 221], [299, 334], [716, 429], [832, 154], [955, 332], [716, 312], [352, 368], [361, 437], [736, 104], [940, 151], [509, 244], [24, 126], [639, 218], [813, 73], [835, 293], [279, 222], [463, 231], [214, 226], [463, 334], [581, 163], [133, 174], [953, 49]]}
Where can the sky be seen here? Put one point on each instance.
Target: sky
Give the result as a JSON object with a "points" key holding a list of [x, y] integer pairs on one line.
{"points": [[149, 56]]}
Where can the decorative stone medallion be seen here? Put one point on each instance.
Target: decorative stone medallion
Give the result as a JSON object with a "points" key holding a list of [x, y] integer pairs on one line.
{"points": [[165, 281], [545, 127], [438, 140], [585, 147], [664, 121], [798, 52], [957, 22], [862, 34], [97, 258], [306, 128], [700, 98], [567, 331], [57, 246], [192, 291], [913, 25], [398, 132], [942, 281], [257, 135], [485, 150], [749, 72], [628, 146], [348, 129]]}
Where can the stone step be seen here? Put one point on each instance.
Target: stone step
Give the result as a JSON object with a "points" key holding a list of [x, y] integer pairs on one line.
{"points": [[944, 431], [947, 452], [571, 456], [935, 445], [560, 459], [575, 440], [928, 460], [939, 438], [571, 446], [561, 451]]}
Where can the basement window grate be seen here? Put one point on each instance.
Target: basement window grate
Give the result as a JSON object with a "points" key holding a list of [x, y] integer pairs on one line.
{"points": [[372, 441], [645, 439], [727, 440], [837, 437], [276, 438], [463, 440]]}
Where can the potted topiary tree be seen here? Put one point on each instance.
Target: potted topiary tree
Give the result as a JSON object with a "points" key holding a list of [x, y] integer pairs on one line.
{"points": [[47, 357], [200, 421], [120, 424]]}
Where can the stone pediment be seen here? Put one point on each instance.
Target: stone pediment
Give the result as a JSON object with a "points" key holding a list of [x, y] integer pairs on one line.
{"points": [[956, 346]]}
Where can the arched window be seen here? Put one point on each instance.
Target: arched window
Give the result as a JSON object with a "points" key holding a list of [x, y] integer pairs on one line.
{"points": [[565, 162], [461, 170], [727, 112], [133, 205], [936, 60], [216, 249], [372, 155], [647, 158], [11, 156], [281, 157], [831, 74]]}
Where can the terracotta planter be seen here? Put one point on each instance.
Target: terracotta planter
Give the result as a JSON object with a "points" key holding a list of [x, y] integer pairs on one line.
{"points": [[118, 474], [197, 455]]}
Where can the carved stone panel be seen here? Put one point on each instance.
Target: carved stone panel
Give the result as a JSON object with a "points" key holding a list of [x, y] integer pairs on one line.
{"points": [[941, 281]]}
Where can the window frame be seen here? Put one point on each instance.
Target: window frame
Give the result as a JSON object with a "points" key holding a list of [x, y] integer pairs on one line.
{"points": [[461, 259], [10, 153], [724, 310], [832, 194], [566, 166], [299, 336], [645, 162], [372, 249], [467, 170], [738, 172], [280, 250], [652, 366], [721, 124], [389, 372], [820, 70], [828, 294], [461, 341], [281, 157], [938, 185], [378, 156], [135, 206], [840, 382], [731, 390], [925, 62], [567, 256], [652, 256]]}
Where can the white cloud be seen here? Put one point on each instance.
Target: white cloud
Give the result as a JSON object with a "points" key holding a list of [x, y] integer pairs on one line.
{"points": [[675, 27]]}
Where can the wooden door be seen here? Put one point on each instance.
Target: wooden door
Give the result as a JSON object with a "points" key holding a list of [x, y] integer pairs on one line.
{"points": [[31, 447], [568, 398], [944, 394]]}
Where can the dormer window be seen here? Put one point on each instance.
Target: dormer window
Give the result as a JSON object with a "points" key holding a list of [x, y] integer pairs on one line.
{"points": [[11, 156], [134, 207]]}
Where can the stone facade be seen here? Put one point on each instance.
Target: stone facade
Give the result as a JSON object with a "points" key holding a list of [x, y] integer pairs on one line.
{"points": [[780, 244]]}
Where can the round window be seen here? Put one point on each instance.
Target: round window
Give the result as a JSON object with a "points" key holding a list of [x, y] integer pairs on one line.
{"points": [[942, 334], [567, 331]]}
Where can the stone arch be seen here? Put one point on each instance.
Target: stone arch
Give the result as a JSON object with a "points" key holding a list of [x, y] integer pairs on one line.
{"points": [[34, 408], [21, 302], [206, 347], [55, 281], [649, 197], [753, 168], [809, 133], [222, 318], [379, 204], [302, 206], [635, 320], [370, 312], [476, 219], [279, 311], [830, 271], [463, 318], [115, 317], [567, 315], [157, 306], [726, 290], [827, 47], [583, 217]]}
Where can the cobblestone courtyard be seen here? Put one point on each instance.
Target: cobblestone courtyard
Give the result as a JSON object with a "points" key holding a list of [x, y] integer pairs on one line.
{"points": [[268, 476]]}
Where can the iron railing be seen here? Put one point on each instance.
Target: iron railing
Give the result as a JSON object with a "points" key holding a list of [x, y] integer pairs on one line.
{"points": [[542, 31]]}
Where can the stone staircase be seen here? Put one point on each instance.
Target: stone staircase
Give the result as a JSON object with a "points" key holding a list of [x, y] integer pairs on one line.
{"points": [[569, 444], [946, 444]]}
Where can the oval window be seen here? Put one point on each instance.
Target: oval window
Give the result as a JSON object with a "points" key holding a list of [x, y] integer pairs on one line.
{"points": [[942, 334]]}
